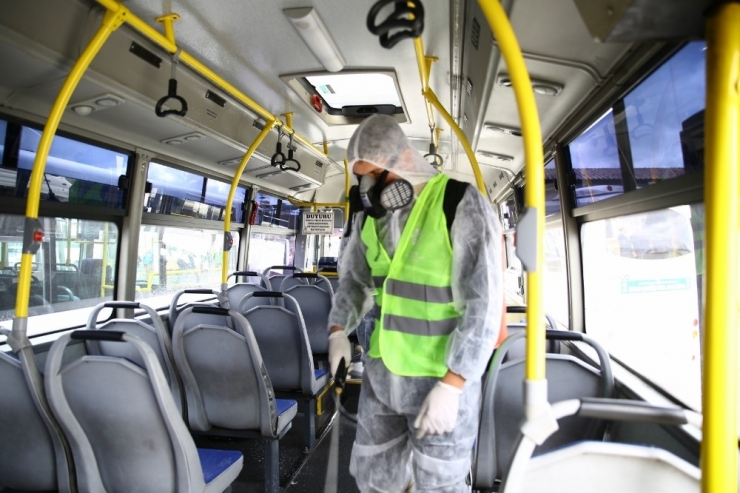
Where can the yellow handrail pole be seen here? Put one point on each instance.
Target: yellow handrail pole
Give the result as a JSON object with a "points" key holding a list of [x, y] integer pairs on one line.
{"points": [[232, 191], [346, 190], [198, 67], [719, 459], [289, 121], [424, 64], [432, 98], [112, 20], [535, 190]]}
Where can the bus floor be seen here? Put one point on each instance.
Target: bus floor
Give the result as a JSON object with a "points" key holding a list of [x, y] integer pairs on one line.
{"points": [[300, 471]]}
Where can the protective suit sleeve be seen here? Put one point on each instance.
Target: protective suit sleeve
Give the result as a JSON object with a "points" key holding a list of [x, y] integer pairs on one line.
{"points": [[477, 285], [354, 297]]}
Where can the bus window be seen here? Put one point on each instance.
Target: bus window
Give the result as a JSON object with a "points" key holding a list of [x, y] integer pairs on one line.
{"points": [[73, 270], [641, 301], [3, 130], [266, 250], [171, 259], [555, 275]]}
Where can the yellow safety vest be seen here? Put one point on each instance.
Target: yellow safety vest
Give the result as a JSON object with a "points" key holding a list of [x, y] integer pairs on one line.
{"points": [[413, 290]]}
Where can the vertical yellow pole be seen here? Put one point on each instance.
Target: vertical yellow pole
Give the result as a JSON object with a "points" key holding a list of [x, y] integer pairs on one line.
{"points": [[534, 170], [719, 459], [113, 19], [232, 191]]}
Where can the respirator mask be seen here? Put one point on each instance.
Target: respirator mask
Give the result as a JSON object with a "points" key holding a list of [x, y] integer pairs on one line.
{"points": [[379, 198]]}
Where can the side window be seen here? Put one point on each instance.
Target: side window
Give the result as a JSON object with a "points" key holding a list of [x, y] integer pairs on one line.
{"points": [[171, 259], [655, 133], [182, 193], [552, 196], [642, 276], [266, 250], [73, 270], [555, 275]]}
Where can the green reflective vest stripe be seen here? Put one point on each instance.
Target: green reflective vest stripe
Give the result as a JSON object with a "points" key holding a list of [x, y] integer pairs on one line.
{"points": [[413, 290]]}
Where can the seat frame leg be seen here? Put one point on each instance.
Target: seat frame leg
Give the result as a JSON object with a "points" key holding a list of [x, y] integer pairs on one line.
{"points": [[272, 466], [309, 428]]}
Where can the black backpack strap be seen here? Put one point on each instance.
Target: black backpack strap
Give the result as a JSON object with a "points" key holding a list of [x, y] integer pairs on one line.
{"points": [[454, 192]]}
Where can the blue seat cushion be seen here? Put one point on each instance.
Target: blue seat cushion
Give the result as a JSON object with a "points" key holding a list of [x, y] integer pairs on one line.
{"points": [[214, 462], [319, 373], [284, 404]]}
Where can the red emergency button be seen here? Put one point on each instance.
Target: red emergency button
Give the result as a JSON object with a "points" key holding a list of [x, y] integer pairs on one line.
{"points": [[38, 236]]}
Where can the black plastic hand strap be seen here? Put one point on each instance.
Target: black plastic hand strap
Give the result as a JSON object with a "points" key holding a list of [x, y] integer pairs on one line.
{"points": [[245, 273], [278, 159], [305, 275], [399, 19], [198, 291], [171, 94], [437, 160], [296, 167]]}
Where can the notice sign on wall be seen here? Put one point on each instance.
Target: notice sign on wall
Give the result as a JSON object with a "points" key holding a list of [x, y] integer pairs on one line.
{"points": [[318, 223]]}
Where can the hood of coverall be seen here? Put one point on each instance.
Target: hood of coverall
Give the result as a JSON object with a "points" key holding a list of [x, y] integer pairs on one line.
{"points": [[380, 141]]}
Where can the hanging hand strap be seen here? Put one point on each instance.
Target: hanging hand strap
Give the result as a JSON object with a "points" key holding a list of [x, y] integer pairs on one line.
{"points": [[172, 93]]}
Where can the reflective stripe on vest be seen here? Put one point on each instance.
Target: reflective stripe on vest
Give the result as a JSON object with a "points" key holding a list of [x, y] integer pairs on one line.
{"points": [[417, 311]]}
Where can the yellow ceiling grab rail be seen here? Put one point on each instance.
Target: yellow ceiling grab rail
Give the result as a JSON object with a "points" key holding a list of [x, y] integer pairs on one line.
{"points": [[531, 226], [189, 60], [230, 199], [719, 459], [424, 63], [33, 233]]}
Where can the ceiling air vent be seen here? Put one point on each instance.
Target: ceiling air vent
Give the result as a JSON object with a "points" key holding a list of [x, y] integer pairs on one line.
{"points": [[216, 98], [145, 54], [475, 33]]}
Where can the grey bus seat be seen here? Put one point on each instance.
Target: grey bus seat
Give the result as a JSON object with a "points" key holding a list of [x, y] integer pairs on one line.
{"points": [[306, 279], [607, 467], [125, 431], [215, 299], [91, 277], [155, 335], [283, 341], [502, 408], [32, 452], [315, 303], [276, 280], [228, 390], [236, 292]]}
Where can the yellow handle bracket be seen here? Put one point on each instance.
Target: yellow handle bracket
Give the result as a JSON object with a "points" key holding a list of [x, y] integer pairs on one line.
{"points": [[168, 21]]}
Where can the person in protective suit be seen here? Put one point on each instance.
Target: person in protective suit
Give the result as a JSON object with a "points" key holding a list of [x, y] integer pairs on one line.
{"points": [[439, 300]]}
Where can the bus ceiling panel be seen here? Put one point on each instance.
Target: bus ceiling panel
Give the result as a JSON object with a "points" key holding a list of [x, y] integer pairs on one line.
{"points": [[252, 43], [502, 117], [554, 29], [638, 20], [21, 73]]}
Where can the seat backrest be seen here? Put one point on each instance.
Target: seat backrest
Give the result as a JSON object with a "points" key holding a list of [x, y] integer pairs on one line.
{"points": [[283, 342], [315, 305], [305, 279], [91, 276], [125, 430], [275, 280], [237, 292], [155, 335], [225, 380], [28, 455], [502, 409], [175, 310]]}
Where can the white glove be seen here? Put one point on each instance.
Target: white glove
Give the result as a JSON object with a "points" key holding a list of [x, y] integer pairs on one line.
{"points": [[438, 413], [339, 348]]}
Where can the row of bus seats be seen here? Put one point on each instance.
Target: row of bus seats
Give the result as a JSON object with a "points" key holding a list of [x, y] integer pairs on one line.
{"points": [[583, 395], [104, 416], [290, 330]]}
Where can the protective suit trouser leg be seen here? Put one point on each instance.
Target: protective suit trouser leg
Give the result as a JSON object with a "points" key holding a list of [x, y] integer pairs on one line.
{"points": [[385, 437]]}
